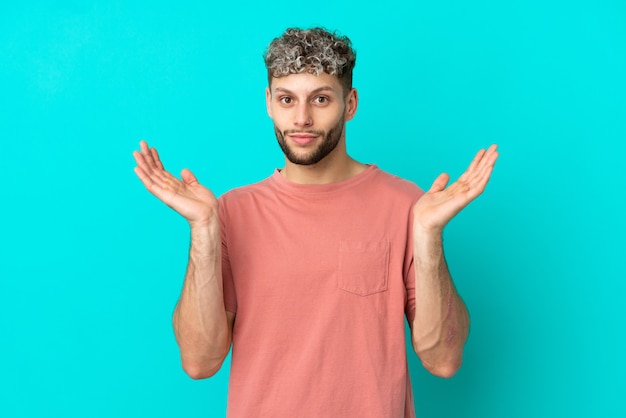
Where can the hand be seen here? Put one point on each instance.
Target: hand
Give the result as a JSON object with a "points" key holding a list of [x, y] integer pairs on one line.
{"points": [[187, 197], [440, 204]]}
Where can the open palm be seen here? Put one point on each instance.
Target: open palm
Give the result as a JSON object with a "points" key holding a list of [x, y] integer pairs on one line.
{"points": [[188, 197], [440, 204]]}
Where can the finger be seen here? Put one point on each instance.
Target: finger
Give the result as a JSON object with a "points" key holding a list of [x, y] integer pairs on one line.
{"points": [[147, 165], [483, 158], [492, 148], [487, 164], [158, 176], [188, 177], [163, 191], [143, 146], [484, 179], [145, 173], [140, 159], [494, 154], [477, 158], [479, 182], [490, 156], [147, 154], [486, 171], [473, 167], [440, 183], [147, 180], [151, 162], [156, 158]]}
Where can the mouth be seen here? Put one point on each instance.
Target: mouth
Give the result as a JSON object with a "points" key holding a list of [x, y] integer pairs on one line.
{"points": [[302, 138]]}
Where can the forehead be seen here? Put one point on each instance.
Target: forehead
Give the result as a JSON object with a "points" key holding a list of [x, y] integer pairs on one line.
{"points": [[304, 83]]}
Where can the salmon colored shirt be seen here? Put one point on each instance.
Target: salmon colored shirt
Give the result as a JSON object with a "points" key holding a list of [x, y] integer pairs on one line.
{"points": [[320, 278]]}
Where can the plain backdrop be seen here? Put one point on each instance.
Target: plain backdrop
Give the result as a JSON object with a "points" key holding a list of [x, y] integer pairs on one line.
{"points": [[91, 264]]}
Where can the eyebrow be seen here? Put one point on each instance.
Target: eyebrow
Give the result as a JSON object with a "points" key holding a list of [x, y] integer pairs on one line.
{"points": [[317, 90]]}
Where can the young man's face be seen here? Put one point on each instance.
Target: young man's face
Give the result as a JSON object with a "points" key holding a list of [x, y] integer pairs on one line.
{"points": [[309, 114]]}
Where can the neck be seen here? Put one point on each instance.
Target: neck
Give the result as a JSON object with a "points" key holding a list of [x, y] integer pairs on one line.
{"points": [[336, 166]]}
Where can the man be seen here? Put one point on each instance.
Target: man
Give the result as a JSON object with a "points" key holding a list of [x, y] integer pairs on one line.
{"points": [[310, 273]]}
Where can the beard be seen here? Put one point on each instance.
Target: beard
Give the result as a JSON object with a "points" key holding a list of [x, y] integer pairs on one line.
{"points": [[329, 143]]}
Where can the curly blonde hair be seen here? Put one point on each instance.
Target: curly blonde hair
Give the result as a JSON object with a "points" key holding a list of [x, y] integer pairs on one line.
{"points": [[314, 51]]}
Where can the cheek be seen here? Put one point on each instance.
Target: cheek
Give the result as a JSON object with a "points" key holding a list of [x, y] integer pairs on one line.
{"points": [[278, 122], [329, 115], [277, 114], [334, 120]]}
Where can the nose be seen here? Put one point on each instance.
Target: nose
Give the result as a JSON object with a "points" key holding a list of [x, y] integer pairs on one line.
{"points": [[303, 115]]}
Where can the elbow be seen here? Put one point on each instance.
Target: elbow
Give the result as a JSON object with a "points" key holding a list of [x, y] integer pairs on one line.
{"points": [[441, 357], [443, 370], [198, 371], [444, 364]]}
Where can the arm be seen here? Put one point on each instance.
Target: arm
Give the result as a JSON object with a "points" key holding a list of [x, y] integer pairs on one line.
{"points": [[441, 324], [202, 327]]}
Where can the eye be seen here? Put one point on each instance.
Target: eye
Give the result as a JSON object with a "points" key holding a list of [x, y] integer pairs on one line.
{"points": [[285, 100], [321, 100]]}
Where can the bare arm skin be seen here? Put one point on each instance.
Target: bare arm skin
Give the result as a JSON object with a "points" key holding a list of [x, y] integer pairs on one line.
{"points": [[441, 323], [202, 326]]}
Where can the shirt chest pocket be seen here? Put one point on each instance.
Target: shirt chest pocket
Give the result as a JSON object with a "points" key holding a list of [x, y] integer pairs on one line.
{"points": [[363, 267]]}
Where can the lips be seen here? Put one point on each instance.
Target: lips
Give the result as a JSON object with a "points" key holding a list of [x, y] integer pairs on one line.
{"points": [[303, 139]]}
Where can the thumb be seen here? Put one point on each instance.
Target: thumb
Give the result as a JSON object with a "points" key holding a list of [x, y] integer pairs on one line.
{"points": [[188, 176], [440, 183]]}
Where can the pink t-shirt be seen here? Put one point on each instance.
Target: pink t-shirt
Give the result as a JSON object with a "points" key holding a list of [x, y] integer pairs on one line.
{"points": [[320, 278]]}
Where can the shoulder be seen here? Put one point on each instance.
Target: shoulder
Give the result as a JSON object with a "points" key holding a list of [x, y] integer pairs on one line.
{"points": [[242, 191], [395, 186], [242, 196]]}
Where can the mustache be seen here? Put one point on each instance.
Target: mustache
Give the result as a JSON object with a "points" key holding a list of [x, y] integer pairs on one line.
{"points": [[307, 132]]}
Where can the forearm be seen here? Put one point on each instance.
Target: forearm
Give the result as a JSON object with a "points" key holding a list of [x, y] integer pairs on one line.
{"points": [[441, 323], [200, 321]]}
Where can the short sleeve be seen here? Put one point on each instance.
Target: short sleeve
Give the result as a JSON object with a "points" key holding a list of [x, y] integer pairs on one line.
{"points": [[409, 268], [409, 284], [230, 297]]}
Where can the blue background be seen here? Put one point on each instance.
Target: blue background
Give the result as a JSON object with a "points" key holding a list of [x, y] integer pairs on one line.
{"points": [[91, 264]]}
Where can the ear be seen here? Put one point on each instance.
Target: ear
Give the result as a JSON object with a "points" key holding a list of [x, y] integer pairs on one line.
{"points": [[352, 102], [268, 101]]}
